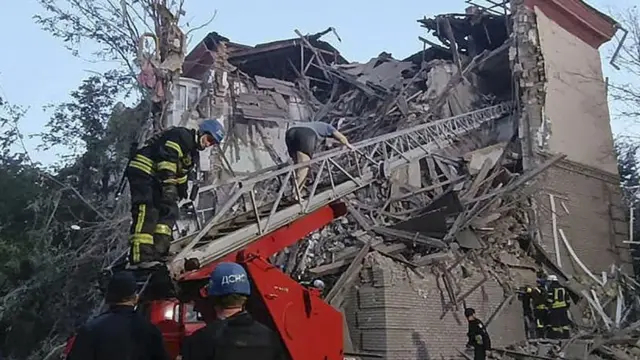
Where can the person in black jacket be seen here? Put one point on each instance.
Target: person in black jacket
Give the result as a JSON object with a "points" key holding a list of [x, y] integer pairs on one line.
{"points": [[119, 333], [479, 339], [158, 174], [234, 334]]}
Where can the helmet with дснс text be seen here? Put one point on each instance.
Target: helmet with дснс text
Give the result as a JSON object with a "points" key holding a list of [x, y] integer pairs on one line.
{"points": [[214, 128], [229, 278]]}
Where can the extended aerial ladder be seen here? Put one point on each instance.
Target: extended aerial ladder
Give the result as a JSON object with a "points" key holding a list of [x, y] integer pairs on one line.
{"points": [[346, 170], [269, 226]]}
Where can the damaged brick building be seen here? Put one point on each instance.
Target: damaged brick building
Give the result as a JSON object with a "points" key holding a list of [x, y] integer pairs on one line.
{"points": [[410, 272]]}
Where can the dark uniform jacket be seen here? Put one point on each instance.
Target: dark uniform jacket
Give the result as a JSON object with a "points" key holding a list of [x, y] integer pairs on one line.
{"points": [[557, 297], [238, 337], [121, 334], [169, 155], [478, 336], [538, 297]]}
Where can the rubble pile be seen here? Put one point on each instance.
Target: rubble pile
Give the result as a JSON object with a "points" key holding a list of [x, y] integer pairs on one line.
{"points": [[386, 94], [605, 317], [464, 209], [461, 217], [469, 193]]}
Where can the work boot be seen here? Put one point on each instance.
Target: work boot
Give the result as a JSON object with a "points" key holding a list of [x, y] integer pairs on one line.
{"points": [[303, 194], [144, 265]]}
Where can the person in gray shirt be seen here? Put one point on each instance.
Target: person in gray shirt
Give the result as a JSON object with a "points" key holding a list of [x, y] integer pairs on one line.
{"points": [[302, 140]]}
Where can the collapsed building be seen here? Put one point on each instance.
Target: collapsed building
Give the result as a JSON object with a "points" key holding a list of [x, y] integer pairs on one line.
{"points": [[458, 228]]}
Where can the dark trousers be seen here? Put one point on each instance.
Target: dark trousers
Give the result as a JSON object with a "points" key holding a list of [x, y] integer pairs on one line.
{"points": [[479, 353], [153, 217], [560, 326], [302, 139], [541, 318]]}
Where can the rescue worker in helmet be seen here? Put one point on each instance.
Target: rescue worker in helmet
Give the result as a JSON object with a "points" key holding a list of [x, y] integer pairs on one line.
{"points": [[302, 140], [558, 302], [538, 296], [479, 338], [234, 334], [524, 295], [157, 175]]}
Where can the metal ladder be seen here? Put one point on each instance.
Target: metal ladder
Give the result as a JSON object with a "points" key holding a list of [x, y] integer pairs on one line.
{"points": [[346, 170]]}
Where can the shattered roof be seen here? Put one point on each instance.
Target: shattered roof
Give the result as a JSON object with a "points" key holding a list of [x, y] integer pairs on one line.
{"points": [[285, 44], [200, 58]]}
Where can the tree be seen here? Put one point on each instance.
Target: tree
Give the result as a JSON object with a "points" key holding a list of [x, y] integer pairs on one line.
{"points": [[99, 141], [629, 169], [627, 93], [60, 226]]}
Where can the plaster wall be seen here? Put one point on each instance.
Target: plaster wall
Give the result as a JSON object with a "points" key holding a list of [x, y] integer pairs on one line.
{"points": [[576, 112]]}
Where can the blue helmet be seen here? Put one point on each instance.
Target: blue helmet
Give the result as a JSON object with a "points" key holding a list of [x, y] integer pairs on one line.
{"points": [[214, 128], [229, 278]]}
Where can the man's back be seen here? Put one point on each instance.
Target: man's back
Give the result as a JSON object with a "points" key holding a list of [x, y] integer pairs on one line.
{"points": [[478, 336], [239, 337], [322, 129], [119, 333]]}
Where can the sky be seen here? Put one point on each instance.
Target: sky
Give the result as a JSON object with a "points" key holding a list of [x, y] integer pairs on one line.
{"points": [[39, 70]]}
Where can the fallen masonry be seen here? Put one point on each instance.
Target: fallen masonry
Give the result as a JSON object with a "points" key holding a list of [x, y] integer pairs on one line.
{"points": [[454, 221]]}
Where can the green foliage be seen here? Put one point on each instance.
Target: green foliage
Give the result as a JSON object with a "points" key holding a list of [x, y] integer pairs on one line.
{"points": [[629, 169], [60, 228]]}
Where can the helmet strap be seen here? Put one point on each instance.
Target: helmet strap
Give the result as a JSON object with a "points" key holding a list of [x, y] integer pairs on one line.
{"points": [[199, 136]]}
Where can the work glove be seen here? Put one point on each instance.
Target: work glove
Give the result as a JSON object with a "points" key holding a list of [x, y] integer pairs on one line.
{"points": [[170, 193], [183, 191]]}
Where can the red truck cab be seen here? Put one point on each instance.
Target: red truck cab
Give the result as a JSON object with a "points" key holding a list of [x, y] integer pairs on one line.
{"points": [[174, 319]]}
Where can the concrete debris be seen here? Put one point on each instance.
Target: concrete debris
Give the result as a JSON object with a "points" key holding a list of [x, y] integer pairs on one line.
{"points": [[452, 230], [456, 221]]}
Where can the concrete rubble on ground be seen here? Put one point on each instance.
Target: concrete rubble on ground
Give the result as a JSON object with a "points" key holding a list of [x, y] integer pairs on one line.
{"points": [[452, 222], [462, 214]]}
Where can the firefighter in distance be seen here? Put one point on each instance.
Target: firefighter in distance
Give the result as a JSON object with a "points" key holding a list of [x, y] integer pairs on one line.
{"points": [[479, 339], [158, 174], [558, 302], [538, 298]]}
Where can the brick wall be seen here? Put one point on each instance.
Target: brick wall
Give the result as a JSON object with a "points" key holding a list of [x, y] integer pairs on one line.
{"points": [[398, 314], [594, 225]]}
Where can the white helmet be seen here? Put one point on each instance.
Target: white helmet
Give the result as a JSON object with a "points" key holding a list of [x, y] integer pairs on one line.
{"points": [[319, 284], [552, 278]]}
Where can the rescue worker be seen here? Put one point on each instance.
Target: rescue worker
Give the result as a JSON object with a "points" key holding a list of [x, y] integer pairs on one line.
{"points": [[157, 175], [302, 140], [119, 333], [478, 337], [540, 310], [525, 296], [234, 334], [558, 302]]}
